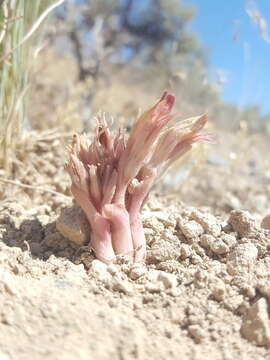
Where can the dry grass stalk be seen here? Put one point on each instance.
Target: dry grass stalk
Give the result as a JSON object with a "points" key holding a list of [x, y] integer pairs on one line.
{"points": [[20, 21], [32, 187]]}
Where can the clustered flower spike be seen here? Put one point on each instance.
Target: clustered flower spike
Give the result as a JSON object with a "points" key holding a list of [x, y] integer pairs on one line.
{"points": [[113, 174]]}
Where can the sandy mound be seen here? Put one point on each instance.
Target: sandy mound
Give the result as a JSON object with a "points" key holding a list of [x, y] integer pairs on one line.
{"points": [[203, 292]]}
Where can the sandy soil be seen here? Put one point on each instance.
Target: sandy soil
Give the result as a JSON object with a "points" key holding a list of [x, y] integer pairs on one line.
{"points": [[203, 293]]}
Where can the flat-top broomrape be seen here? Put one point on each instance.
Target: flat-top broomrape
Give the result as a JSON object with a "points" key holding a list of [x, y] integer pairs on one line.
{"points": [[113, 174]]}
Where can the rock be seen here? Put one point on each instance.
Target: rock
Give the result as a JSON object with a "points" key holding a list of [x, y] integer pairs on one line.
{"points": [[242, 222], [207, 221], [265, 224], [73, 225], [256, 324], [168, 280], [242, 258]]}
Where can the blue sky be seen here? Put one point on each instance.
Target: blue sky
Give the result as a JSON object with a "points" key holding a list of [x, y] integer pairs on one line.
{"points": [[245, 61]]}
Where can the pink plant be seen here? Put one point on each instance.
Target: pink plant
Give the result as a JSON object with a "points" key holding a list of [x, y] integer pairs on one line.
{"points": [[113, 174]]}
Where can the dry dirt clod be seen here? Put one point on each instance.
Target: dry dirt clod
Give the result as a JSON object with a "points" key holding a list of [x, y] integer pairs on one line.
{"points": [[229, 239], [154, 288], [196, 332], [122, 286], [100, 270], [150, 221], [112, 269], [207, 221], [73, 225], [218, 290], [191, 229], [242, 258], [138, 270], [206, 240], [243, 223], [219, 273], [162, 253], [185, 251], [256, 324], [219, 246], [164, 218], [168, 280]]}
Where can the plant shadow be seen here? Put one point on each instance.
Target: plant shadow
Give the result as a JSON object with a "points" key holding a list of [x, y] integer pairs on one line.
{"points": [[43, 240]]}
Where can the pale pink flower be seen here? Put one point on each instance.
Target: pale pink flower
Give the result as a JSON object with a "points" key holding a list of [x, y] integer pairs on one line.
{"points": [[113, 174]]}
